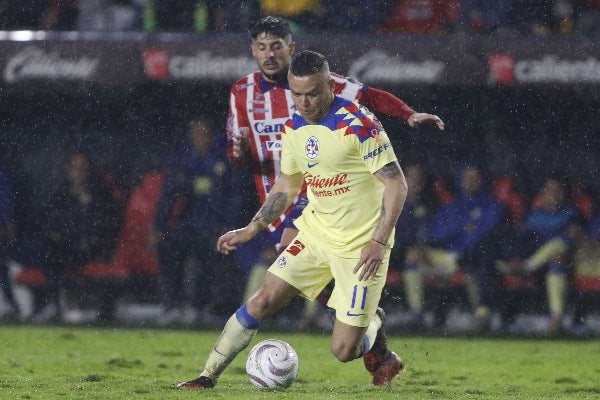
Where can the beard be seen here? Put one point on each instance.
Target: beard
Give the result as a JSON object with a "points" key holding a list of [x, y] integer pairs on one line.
{"points": [[279, 76]]}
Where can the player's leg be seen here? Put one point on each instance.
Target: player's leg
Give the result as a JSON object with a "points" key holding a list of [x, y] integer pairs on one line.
{"points": [[380, 361], [317, 287], [241, 328], [287, 236], [370, 342], [287, 277], [349, 342], [271, 297], [309, 311], [310, 307], [359, 328]]}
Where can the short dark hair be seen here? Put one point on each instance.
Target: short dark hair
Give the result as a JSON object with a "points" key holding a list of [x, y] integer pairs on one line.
{"points": [[307, 62], [272, 25]]}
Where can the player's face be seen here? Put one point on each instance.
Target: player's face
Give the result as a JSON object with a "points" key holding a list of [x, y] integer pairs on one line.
{"points": [[312, 95], [273, 55]]}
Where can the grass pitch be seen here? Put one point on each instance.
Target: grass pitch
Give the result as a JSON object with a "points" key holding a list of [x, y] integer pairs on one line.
{"points": [[93, 363]]}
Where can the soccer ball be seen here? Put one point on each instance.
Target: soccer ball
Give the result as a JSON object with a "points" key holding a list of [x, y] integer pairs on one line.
{"points": [[271, 364]]}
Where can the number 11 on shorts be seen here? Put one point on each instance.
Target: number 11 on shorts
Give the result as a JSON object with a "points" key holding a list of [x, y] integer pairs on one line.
{"points": [[363, 299]]}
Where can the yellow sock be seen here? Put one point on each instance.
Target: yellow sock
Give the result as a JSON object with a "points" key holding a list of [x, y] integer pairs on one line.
{"points": [[255, 279], [556, 290], [234, 338], [413, 289]]}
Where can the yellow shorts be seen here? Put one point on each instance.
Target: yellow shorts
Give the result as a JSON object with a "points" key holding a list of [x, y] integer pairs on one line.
{"points": [[309, 268]]}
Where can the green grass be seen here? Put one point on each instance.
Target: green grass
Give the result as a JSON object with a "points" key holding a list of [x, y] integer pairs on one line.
{"points": [[81, 363]]}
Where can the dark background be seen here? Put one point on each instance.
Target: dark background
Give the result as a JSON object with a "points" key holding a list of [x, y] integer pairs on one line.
{"points": [[525, 132]]}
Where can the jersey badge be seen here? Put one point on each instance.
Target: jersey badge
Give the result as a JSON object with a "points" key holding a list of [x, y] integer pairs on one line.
{"points": [[312, 148], [282, 262]]}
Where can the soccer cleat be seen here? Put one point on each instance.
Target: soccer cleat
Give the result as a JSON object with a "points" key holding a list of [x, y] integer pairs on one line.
{"points": [[380, 361], [374, 357], [201, 382], [391, 366]]}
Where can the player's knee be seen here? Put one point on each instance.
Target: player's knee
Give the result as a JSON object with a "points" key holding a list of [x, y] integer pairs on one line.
{"points": [[344, 352], [262, 305], [258, 306]]}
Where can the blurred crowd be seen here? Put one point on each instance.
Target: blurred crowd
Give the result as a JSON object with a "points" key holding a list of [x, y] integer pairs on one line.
{"points": [[502, 250], [94, 238], [521, 17], [470, 240], [473, 238]]}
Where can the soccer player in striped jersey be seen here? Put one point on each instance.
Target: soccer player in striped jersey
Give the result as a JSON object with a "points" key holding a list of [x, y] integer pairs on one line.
{"points": [[259, 105], [340, 152]]}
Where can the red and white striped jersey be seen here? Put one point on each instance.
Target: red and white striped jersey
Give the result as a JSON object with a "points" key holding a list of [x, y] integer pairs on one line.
{"points": [[264, 108]]}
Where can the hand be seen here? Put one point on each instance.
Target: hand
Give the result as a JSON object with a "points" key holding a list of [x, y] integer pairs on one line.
{"points": [[240, 142], [227, 242], [371, 258], [417, 119]]}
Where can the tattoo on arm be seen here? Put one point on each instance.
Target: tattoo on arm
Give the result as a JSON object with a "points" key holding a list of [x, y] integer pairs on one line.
{"points": [[389, 170], [273, 208]]}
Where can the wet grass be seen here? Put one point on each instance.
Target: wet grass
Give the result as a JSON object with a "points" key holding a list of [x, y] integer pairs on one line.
{"points": [[95, 363]]}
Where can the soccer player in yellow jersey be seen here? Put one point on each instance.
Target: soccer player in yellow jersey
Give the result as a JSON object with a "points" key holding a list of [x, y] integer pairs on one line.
{"points": [[356, 191]]}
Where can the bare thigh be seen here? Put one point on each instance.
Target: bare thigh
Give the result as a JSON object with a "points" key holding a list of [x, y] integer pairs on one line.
{"points": [[287, 236], [273, 294]]}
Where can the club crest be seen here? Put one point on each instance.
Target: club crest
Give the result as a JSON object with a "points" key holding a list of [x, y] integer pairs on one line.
{"points": [[312, 148]]}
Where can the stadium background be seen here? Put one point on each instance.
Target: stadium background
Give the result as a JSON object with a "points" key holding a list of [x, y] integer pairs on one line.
{"points": [[525, 106], [520, 106]]}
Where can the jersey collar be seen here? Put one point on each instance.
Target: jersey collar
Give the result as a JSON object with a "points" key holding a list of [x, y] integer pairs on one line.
{"points": [[265, 86]]}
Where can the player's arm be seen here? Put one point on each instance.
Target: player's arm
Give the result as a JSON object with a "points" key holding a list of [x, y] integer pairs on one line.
{"points": [[280, 197], [394, 196], [238, 131], [388, 104]]}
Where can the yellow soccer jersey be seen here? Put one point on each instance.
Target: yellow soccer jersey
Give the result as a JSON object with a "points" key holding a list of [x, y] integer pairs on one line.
{"points": [[338, 158]]}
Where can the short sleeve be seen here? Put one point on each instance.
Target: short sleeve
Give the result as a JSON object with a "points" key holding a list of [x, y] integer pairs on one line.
{"points": [[288, 164]]}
